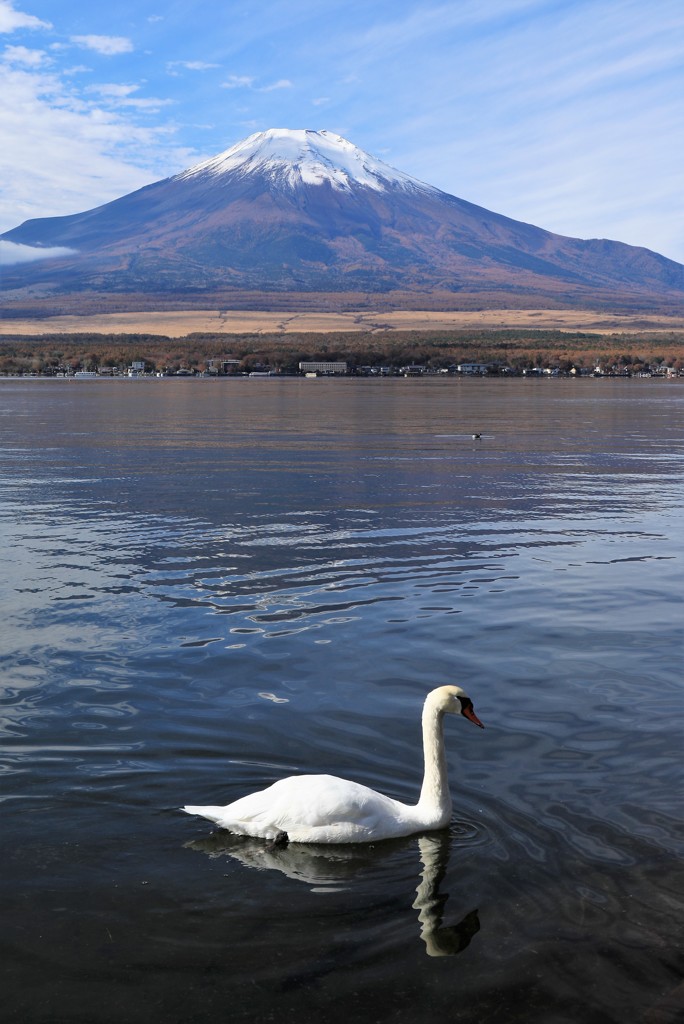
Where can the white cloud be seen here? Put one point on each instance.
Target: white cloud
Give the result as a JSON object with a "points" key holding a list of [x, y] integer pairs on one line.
{"points": [[282, 83], [12, 253], [117, 94], [63, 152], [108, 46], [248, 82], [189, 65], [116, 90], [23, 55], [238, 82], [11, 20]]}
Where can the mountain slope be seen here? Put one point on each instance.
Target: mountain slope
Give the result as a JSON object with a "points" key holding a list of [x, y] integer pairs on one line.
{"points": [[308, 211]]}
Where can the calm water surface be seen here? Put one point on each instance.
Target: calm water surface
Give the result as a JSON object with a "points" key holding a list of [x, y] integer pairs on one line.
{"points": [[210, 584]]}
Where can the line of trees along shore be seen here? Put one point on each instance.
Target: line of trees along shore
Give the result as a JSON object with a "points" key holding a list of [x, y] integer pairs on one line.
{"points": [[49, 354]]}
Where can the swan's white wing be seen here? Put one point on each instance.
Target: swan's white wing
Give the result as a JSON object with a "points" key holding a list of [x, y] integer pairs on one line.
{"points": [[314, 809]]}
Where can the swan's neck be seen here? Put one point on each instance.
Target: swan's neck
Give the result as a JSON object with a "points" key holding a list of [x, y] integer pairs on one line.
{"points": [[435, 799]]}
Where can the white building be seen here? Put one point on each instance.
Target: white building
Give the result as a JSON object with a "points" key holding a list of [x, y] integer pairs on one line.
{"points": [[323, 367], [473, 369]]}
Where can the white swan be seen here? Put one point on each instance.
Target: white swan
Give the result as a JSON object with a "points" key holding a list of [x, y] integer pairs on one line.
{"points": [[325, 809]]}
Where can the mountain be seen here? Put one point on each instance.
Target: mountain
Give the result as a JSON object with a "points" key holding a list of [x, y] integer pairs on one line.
{"points": [[307, 211]]}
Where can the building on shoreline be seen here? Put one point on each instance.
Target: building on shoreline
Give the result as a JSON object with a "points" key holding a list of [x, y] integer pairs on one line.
{"points": [[323, 368]]}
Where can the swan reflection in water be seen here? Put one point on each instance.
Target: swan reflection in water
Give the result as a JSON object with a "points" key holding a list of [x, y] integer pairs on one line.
{"points": [[328, 868]]}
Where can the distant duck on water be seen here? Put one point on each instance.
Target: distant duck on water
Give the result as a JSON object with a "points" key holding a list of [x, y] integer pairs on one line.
{"points": [[476, 437]]}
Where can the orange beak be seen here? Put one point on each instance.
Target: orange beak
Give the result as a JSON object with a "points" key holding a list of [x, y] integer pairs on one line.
{"points": [[472, 717]]}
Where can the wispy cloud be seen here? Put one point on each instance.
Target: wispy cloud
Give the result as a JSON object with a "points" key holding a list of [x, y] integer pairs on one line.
{"points": [[64, 150], [238, 82], [249, 82], [189, 65], [282, 83], [115, 90], [120, 95], [108, 46], [11, 19], [23, 55], [12, 253]]}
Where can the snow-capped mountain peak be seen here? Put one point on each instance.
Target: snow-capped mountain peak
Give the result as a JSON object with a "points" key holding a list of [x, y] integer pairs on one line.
{"points": [[309, 212], [295, 156]]}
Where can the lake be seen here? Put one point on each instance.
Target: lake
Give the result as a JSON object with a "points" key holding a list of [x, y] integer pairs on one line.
{"points": [[210, 584]]}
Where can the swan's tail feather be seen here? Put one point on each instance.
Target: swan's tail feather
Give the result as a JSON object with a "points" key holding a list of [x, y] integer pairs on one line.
{"points": [[257, 830], [214, 814]]}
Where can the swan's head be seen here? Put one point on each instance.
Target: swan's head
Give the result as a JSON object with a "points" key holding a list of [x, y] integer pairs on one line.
{"points": [[452, 700]]}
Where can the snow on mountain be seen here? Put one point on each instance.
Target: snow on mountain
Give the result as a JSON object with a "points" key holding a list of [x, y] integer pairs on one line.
{"points": [[296, 156]]}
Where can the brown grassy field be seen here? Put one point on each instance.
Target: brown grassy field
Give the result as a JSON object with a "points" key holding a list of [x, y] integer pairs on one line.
{"points": [[180, 323]]}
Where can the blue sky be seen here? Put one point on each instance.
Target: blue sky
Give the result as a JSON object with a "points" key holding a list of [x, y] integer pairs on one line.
{"points": [[568, 114]]}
